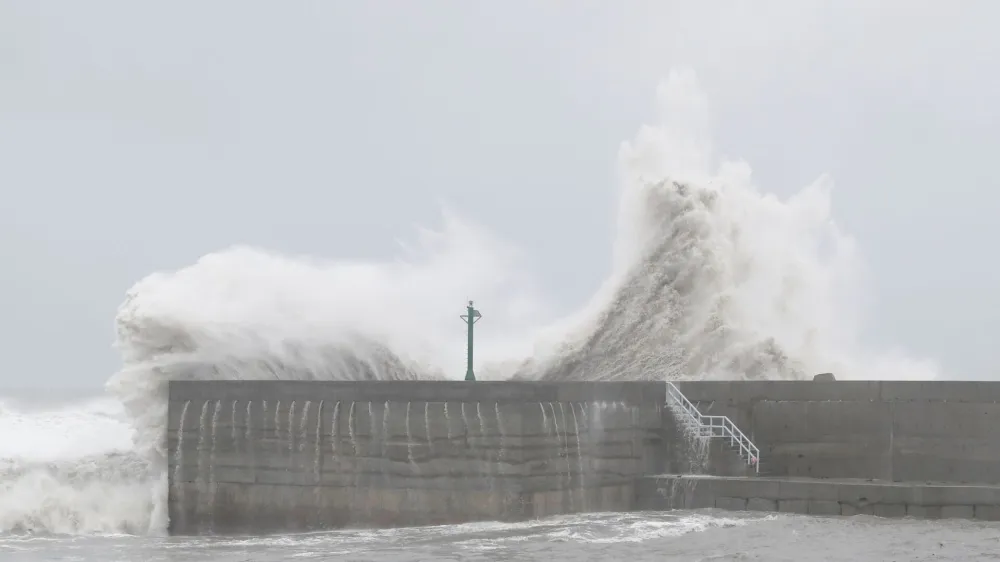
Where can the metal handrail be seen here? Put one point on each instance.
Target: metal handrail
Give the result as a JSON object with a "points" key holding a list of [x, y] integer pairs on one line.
{"points": [[715, 426]]}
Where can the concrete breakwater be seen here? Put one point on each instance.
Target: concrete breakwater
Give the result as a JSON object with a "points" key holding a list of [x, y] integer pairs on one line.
{"points": [[267, 456], [818, 496], [896, 431]]}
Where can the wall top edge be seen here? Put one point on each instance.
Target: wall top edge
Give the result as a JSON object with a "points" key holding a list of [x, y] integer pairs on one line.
{"points": [[633, 392], [636, 392], [843, 390]]}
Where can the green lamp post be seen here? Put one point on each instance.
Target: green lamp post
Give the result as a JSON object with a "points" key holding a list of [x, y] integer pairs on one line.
{"points": [[470, 317]]}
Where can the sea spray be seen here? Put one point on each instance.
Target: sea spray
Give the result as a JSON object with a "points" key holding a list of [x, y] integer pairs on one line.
{"points": [[318, 451], [215, 427], [356, 461], [375, 456], [468, 451], [447, 423], [550, 454], [277, 426], [212, 485], [247, 431], [465, 423], [489, 467], [317, 462], [303, 424], [351, 431], [408, 500], [409, 439], [384, 447], [588, 443], [202, 474], [372, 429], [566, 457], [559, 451], [263, 419], [233, 427], [179, 454], [500, 470], [385, 428], [334, 425], [427, 428], [579, 458], [500, 432], [598, 438], [291, 433]]}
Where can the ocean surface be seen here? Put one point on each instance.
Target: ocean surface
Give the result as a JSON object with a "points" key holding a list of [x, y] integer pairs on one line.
{"points": [[687, 536]]}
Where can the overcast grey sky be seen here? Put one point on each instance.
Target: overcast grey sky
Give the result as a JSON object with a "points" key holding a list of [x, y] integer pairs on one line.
{"points": [[137, 136]]}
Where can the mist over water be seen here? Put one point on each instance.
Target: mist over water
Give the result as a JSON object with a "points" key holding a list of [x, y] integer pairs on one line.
{"points": [[710, 278]]}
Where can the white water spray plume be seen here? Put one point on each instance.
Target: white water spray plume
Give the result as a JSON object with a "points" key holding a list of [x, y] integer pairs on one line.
{"points": [[711, 278]]}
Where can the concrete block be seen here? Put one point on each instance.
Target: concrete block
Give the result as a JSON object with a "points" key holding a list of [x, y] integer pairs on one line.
{"points": [[945, 419], [987, 512], [958, 512], [946, 442], [731, 504], [785, 391], [806, 489], [707, 391], [948, 494], [923, 511], [865, 493], [889, 510], [793, 506], [851, 509], [762, 504], [824, 439], [652, 495], [673, 492], [748, 487], [823, 507], [942, 391]]}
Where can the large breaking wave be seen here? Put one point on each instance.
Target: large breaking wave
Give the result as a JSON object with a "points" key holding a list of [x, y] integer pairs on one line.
{"points": [[710, 278]]}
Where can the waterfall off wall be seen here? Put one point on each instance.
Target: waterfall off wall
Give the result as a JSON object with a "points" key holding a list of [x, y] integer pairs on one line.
{"points": [[271, 456]]}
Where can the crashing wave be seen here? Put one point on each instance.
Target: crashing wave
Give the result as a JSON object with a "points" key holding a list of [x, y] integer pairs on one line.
{"points": [[672, 317], [710, 278]]}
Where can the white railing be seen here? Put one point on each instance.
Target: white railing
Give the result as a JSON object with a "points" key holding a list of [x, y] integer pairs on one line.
{"points": [[713, 426]]}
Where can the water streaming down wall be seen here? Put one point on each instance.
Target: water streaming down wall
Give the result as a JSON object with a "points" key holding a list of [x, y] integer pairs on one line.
{"points": [[328, 455], [505, 451]]}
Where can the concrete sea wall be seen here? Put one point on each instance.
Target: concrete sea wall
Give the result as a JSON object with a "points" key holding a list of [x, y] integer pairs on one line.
{"points": [[267, 456], [892, 431], [814, 496]]}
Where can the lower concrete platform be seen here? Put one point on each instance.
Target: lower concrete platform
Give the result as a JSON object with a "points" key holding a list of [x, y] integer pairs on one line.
{"points": [[819, 496]]}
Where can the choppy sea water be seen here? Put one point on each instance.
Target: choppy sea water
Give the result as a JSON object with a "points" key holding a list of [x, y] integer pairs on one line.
{"points": [[677, 536]]}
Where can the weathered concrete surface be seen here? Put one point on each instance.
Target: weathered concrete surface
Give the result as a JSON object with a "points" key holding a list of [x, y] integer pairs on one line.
{"points": [[267, 456], [260, 456], [894, 431], [819, 497]]}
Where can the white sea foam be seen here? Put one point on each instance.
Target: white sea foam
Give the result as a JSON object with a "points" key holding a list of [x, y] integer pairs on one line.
{"points": [[71, 470]]}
